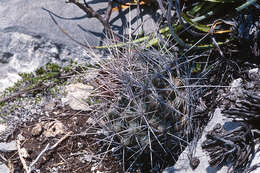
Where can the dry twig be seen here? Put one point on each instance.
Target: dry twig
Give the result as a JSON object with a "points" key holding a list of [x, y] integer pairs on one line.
{"points": [[46, 149], [18, 143], [92, 13]]}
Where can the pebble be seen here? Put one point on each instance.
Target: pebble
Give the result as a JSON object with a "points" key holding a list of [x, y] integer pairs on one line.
{"points": [[4, 168], [76, 96], [8, 146]]}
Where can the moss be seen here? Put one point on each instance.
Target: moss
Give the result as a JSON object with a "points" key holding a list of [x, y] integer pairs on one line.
{"points": [[52, 91], [2, 104], [49, 74], [66, 69], [53, 67], [40, 71]]}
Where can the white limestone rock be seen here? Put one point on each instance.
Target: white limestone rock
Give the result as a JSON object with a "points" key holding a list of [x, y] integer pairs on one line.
{"points": [[183, 166], [4, 168], [2, 128], [24, 52], [77, 94], [256, 160], [8, 146]]}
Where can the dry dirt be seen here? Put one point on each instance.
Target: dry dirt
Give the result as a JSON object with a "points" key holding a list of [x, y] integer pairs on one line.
{"points": [[73, 154]]}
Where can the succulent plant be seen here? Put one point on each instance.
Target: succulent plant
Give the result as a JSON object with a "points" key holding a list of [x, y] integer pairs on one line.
{"points": [[146, 109], [238, 146]]}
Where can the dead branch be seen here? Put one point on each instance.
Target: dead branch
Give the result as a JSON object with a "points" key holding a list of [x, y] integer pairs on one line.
{"points": [[38, 157], [60, 141], [27, 90], [18, 143], [92, 13]]}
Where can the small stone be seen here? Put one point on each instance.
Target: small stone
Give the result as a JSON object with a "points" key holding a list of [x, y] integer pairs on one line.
{"points": [[236, 84], [24, 153], [254, 70], [49, 106], [4, 168], [254, 74], [2, 128], [54, 50], [87, 157], [194, 163], [80, 145], [91, 121], [33, 111], [77, 94], [8, 147], [56, 113], [20, 137]]}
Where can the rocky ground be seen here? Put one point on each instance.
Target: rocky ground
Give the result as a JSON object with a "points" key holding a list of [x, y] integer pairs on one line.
{"points": [[75, 117], [47, 127], [30, 39], [50, 125], [21, 16], [230, 96]]}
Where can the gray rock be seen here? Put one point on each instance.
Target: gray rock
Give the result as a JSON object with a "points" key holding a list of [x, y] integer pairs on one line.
{"points": [[8, 147], [234, 93], [34, 16], [183, 166], [254, 74], [77, 95], [4, 168], [256, 160], [26, 31], [3, 127], [236, 85], [23, 52]]}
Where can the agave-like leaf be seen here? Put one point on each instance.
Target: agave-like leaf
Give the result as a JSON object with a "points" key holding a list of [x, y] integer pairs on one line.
{"points": [[222, 1]]}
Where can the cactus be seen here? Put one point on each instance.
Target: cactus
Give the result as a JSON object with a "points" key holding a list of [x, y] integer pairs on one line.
{"points": [[145, 109]]}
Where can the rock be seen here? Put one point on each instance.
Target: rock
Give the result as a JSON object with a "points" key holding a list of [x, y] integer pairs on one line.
{"points": [[2, 128], [183, 163], [49, 105], [91, 121], [236, 85], [256, 160], [20, 137], [254, 74], [236, 92], [86, 158], [20, 15], [77, 94], [8, 147], [4, 168], [29, 38], [24, 52]]}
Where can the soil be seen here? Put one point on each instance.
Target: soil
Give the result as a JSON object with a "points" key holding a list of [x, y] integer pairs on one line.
{"points": [[74, 154]]}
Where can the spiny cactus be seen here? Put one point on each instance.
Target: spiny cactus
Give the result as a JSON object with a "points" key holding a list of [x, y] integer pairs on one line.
{"points": [[146, 103]]}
